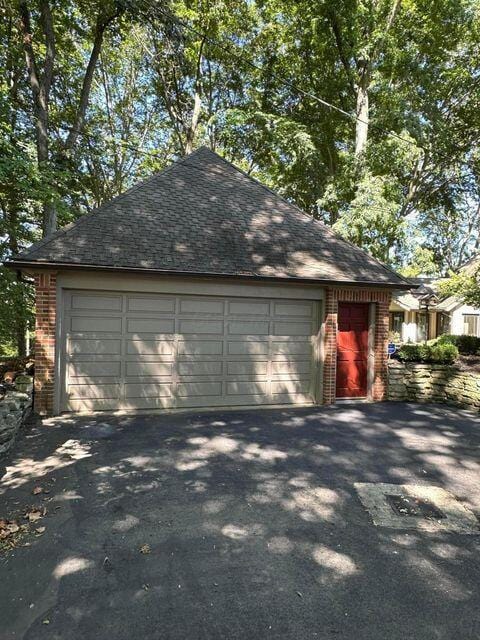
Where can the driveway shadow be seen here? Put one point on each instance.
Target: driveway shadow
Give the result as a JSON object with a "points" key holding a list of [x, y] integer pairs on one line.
{"points": [[241, 525]]}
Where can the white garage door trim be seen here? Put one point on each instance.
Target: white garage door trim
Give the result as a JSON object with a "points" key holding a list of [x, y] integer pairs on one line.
{"points": [[165, 351]]}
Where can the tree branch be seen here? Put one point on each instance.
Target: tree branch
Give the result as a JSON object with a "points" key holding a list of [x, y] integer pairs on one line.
{"points": [[100, 28], [48, 66], [32, 68], [337, 34]]}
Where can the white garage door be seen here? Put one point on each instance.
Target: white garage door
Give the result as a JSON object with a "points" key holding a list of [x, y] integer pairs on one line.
{"points": [[142, 351]]}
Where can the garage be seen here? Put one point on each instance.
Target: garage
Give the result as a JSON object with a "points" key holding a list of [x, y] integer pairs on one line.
{"points": [[202, 288], [124, 351]]}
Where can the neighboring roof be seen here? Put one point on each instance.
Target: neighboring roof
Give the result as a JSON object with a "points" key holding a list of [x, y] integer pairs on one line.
{"points": [[449, 304], [204, 216], [422, 280], [407, 301], [422, 291]]}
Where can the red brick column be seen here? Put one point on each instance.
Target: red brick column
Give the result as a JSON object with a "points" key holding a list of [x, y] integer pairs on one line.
{"points": [[382, 303], [379, 387], [45, 323], [330, 347]]}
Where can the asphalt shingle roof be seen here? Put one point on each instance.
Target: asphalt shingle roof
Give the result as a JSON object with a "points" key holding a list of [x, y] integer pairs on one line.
{"points": [[202, 215]]}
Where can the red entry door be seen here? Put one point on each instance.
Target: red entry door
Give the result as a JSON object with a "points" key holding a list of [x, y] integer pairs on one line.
{"points": [[352, 350]]}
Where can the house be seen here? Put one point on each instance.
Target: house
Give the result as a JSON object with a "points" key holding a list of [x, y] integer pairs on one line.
{"points": [[421, 314], [202, 288]]}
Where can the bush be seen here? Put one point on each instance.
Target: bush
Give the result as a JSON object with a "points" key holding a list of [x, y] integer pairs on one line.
{"points": [[439, 353], [467, 345]]}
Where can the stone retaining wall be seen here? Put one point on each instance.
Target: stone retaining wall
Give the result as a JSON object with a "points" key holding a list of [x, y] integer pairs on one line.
{"points": [[433, 383], [14, 409]]}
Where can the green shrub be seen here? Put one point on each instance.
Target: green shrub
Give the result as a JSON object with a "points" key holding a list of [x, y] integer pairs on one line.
{"points": [[467, 345], [410, 352], [438, 353]]}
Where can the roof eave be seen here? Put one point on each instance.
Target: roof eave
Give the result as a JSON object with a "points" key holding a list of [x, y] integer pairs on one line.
{"points": [[37, 265]]}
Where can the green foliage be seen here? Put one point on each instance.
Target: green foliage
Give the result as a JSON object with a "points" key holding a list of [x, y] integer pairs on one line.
{"points": [[160, 89], [463, 285], [466, 345], [371, 219], [421, 263], [16, 312], [432, 353]]}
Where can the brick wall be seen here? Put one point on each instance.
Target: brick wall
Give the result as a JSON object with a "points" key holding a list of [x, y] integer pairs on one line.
{"points": [[382, 303], [46, 305]]}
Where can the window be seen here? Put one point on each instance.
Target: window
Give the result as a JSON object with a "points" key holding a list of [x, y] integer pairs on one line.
{"points": [[397, 319], [421, 326], [443, 323], [471, 324]]}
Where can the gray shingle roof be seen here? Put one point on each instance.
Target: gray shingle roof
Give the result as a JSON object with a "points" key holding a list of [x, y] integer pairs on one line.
{"points": [[204, 216]]}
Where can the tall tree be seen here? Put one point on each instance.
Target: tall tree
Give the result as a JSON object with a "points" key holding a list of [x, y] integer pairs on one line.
{"points": [[42, 37]]}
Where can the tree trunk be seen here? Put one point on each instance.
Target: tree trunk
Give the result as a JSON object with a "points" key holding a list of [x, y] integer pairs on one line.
{"points": [[192, 129], [362, 113]]}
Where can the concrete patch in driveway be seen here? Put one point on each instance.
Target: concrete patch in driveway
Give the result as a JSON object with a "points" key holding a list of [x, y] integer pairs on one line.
{"points": [[413, 506]]}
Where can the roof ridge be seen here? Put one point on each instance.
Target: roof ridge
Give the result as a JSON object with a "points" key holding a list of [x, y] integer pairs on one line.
{"points": [[304, 214]]}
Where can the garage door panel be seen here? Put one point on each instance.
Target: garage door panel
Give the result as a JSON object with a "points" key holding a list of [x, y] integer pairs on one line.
{"points": [[258, 368], [95, 324], [92, 390], [87, 346], [248, 308], [280, 349], [239, 387], [248, 327], [290, 387], [248, 348], [202, 306], [294, 309], [148, 404], [147, 347], [141, 351], [292, 328], [200, 348], [139, 368], [147, 390], [213, 368], [151, 303], [188, 389], [200, 326], [96, 302], [291, 398], [94, 369], [92, 404], [150, 325], [291, 367]]}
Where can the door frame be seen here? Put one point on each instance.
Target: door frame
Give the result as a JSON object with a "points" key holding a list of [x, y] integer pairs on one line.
{"points": [[372, 324]]}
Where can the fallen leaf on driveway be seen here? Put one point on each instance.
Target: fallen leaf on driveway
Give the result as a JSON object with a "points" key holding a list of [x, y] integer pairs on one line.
{"points": [[40, 530], [7, 527], [37, 490], [35, 514], [145, 548]]}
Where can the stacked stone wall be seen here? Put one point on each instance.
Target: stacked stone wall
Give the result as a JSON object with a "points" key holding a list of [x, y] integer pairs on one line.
{"points": [[418, 382]]}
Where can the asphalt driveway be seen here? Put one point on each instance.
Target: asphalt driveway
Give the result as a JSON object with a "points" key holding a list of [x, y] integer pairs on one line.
{"points": [[239, 525]]}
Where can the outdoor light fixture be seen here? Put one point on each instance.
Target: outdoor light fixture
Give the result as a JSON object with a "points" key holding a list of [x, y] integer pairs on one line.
{"points": [[426, 300]]}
